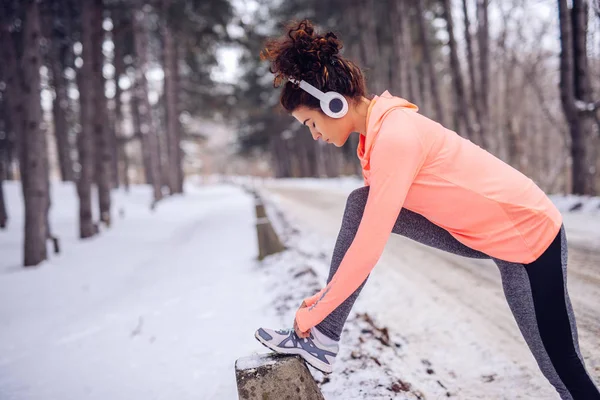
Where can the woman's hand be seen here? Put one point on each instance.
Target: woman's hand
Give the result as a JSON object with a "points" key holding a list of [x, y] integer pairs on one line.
{"points": [[298, 331]]}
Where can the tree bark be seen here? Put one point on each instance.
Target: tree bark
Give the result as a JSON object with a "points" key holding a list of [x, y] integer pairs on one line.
{"points": [[85, 140], [461, 105], [3, 166], [484, 68], [34, 154], [583, 90], [568, 91], [14, 96], [4, 142], [103, 152], [428, 63], [122, 158], [147, 129], [172, 102], [474, 86], [400, 23], [180, 153], [370, 47], [137, 128], [3, 214], [59, 111]]}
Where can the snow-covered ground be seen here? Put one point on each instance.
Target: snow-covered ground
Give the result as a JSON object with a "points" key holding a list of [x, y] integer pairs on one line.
{"points": [[448, 312], [162, 304], [157, 307]]}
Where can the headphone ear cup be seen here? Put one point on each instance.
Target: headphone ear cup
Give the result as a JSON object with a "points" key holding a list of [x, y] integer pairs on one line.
{"points": [[334, 105]]}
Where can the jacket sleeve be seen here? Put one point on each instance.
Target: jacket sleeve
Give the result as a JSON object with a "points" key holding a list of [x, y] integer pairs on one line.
{"points": [[396, 158]]}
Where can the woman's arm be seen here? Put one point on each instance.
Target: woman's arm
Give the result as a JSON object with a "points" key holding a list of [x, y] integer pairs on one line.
{"points": [[397, 157]]}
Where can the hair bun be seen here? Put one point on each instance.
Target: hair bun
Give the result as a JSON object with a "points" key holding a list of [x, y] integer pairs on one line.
{"points": [[301, 54]]}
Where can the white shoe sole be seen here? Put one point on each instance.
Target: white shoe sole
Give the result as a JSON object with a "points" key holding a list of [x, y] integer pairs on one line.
{"points": [[318, 364]]}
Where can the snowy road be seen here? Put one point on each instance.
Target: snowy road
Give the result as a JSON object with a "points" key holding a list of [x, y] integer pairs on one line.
{"points": [[157, 307], [452, 310]]}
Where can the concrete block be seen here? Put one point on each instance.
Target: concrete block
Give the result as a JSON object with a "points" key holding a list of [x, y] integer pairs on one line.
{"points": [[275, 377]]}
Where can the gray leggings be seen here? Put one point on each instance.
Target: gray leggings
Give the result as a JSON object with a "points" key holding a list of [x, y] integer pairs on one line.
{"points": [[536, 294]]}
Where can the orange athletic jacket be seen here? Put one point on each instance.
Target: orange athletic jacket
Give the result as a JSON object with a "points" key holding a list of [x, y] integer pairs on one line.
{"points": [[413, 162]]}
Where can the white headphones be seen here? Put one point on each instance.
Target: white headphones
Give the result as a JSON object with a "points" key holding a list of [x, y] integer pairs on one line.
{"points": [[333, 104]]}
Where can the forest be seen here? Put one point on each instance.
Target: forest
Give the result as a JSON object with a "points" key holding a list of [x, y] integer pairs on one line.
{"points": [[108, 93]]}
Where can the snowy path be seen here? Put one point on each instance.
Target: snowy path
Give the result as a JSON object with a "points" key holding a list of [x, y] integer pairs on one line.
{"points": [[157, 307], [451, 310]]}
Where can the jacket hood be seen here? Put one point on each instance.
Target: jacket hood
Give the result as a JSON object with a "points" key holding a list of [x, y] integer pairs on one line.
{"points": [[384, 103]]}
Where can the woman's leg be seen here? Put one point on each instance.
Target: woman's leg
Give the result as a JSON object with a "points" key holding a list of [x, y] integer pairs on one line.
{"points": [[538, 298], [409, 224]]}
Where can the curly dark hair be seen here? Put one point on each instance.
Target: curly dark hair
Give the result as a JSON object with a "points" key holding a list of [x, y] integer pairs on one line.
{"points": [[303, 54]]}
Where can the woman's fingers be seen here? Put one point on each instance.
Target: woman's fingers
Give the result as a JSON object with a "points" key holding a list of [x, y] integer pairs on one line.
{"points": [[298, 332]]}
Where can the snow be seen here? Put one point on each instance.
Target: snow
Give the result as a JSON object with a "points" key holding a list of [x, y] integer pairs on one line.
{"points": [[449, 325], [255, 361], [158, 306], [163, 303]]}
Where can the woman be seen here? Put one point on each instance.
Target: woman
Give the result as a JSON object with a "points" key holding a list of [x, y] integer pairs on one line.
{"points": [[424, 182]]}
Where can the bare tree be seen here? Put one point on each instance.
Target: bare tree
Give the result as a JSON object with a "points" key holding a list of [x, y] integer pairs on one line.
{"points": [[5, 130], [511, 106], [3, 214], [576, 92], [484, 70], [85, 138], [365, 14], [119, 64], [170, 66], [461, 104], [14, 96], [401, 35], [60, 102], [147, 129], [33, 151], [103, 152], [3, 163], [473, 77], [428, 63]]}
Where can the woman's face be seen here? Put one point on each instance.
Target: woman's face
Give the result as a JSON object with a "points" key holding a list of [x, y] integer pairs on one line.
{"points": [[330, 130]]}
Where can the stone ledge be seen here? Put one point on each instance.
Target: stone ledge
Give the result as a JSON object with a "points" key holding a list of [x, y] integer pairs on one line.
{"points": [[275, 377]]}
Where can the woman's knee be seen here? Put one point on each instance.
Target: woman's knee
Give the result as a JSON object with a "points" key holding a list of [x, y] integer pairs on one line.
{"points": [[357, 200], [358, 196]]}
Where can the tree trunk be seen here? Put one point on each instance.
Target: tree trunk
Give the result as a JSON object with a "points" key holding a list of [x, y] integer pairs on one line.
{"points": [[103, 152], [180, 153], [484, 68], [172, 102], [57, 49], [4, 141], [333, 161], [137, 129], [411, 72], [59, 111], [158, 115], [428, 63], [370, 47], [3, 214], [85, 141], [474, 86], [119, 64], [353, 141], [147, 129], [3, 166], [34, 154], [583, 90], [14, 96], [461, 105], [568, 59], [400, 24]]}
